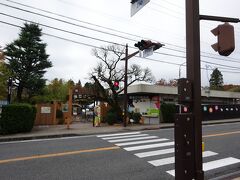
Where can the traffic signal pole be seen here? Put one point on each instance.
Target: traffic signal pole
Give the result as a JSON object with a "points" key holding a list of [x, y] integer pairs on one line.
{"points": [[188, 127], [126, 83], [142, 45], [194, 75], [125, 87]]}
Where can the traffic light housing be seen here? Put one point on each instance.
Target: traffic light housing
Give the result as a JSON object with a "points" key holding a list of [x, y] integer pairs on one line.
{"points": [[226, 43], [145, 44], [185, 93], [116, 85]]}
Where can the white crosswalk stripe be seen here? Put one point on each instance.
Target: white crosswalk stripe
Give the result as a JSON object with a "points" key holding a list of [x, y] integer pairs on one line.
{"points": [[117, 134], [155, 153], [129, 136], [171, 160], [133, 139], [214, 164], [141, 142], [149, 146]]}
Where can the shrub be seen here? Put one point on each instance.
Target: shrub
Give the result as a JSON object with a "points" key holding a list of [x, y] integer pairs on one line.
{"points": [[111, 117], [168, 111], [136, 117], [16, 118]]}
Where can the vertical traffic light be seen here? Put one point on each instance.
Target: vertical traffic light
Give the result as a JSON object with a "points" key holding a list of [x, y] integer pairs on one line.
{"points": [[116, 85], [226, 43], [185, 91]]}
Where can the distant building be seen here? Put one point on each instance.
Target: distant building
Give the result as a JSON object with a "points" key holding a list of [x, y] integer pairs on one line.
{"points": [[145, 98]]}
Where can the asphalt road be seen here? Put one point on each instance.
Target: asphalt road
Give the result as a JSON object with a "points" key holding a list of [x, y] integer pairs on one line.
{"points": [[114, 157]]}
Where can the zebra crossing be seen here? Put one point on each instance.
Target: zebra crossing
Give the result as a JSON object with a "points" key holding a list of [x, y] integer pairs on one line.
{"points": [[155, 147]]}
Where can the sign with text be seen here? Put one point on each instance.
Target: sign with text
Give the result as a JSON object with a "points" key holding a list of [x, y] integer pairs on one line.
{"points": [[45, 110], [137, 5]]}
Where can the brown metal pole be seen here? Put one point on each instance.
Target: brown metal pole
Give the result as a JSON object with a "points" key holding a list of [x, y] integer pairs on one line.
{"points": [[125, 88], [194, 74]]}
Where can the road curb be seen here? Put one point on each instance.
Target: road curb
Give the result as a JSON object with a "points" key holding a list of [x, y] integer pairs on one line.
{"points": [[232, 176], [22, 138]]}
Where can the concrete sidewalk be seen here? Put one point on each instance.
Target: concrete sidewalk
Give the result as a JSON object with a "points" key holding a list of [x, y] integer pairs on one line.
{"points": [[86, 128]]}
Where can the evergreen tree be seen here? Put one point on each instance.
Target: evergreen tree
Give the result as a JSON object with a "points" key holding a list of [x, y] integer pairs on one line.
{"points": [[27, 61], [216, 80], [4, 74]]}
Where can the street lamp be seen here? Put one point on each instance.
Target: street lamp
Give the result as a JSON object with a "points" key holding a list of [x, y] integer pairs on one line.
{"points": [[179, 71]]}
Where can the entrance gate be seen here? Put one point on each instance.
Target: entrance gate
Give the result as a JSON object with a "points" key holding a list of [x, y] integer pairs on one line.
{"points": [[83, 103]]}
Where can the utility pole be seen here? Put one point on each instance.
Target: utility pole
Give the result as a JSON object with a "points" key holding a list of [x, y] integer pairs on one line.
{"points": [[125, 87]]}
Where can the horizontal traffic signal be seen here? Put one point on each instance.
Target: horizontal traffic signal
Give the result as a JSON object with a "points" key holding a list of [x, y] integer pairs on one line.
{"points": [[146, 44]]}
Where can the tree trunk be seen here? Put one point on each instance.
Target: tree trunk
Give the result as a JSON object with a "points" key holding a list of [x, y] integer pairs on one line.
{"points": [[19, 93]]}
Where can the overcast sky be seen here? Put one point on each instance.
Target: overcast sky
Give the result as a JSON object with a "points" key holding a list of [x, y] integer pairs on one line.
{"points": [[106, 21]]}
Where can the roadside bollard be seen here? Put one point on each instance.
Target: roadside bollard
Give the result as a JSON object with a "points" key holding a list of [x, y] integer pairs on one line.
{"points": [[68, 123], [203, 146]]}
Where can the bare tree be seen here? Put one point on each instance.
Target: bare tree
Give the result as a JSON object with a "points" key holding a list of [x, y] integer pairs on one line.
{"points": [[110, 69]]}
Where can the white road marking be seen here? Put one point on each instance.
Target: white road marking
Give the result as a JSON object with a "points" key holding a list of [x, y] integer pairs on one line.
{"points": [[129, 136], [149, 146], [117, 134], [141, 142], [155, 153], [132, 139], [220, 163], [44, 139], [171, 160], [214, 164]]}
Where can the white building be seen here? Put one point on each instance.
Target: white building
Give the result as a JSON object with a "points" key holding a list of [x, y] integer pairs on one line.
{"points": [[146, 99]]}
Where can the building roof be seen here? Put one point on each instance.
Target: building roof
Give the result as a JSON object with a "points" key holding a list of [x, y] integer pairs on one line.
{"points": [[156, 89]]}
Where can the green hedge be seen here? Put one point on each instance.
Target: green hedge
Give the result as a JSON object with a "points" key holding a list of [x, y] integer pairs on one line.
{"points": [[16, 118], [111, 117], [135, 116], [168, 112]]}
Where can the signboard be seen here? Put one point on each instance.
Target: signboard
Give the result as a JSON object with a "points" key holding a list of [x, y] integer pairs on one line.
{"points": [[137, 5], [45, 110]]}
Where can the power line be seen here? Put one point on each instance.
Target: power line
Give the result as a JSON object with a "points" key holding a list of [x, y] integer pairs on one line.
{"points": [[156, 4], [176, 5], [58, 37], [67, 17], [74, 19], [93, 46], [167, 54], [96, 26], [70, 32], [178, 64], [110, 41], [107, 41], [63, 21]]}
